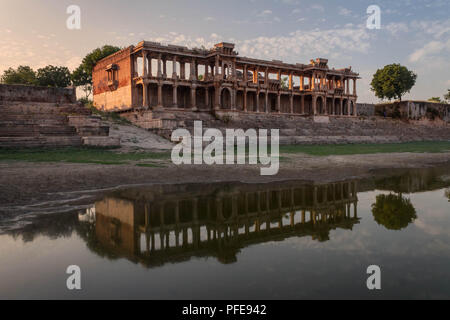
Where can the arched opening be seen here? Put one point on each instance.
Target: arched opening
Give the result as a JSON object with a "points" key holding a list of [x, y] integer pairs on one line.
{"points": [[225, 99], [297, 104], [337, 107], [251, 101], [262, 102], [345, 108], [273, 102], [308, 105], [240, 100], [320, 105], [330, 108], [200, 98], [285, 104], [184, 97], [167, 95], [139, 95]]}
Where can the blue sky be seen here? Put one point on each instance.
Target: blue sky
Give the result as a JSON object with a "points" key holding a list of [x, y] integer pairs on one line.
{"points": [[414, 33]]}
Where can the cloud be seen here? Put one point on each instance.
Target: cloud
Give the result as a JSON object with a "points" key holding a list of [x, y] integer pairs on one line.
{"points": [[210, 19], [264, 13], [317, 7], [344, 11], [429, 49]]}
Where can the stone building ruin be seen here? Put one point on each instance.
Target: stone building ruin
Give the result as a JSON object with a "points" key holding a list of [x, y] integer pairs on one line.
{"points": [[152, 76]]}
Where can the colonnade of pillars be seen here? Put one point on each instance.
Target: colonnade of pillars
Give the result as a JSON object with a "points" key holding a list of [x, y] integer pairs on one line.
{"points": [[317, 83], [284, 211]]}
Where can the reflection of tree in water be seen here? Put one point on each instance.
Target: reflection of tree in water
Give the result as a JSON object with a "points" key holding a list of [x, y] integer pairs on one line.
{"points": [[393, 211], [447, 194]]}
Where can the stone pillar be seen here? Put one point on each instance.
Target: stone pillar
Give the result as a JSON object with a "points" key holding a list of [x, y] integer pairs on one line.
{"points": [[255, 76], [160, 99], [159, 74], [302, 104], [291, 101], [174, 68], [164, 68], [341, 107], [135, 67], [144, 64], [291, 85], [257, 101], [145, 102], [313, 82], [192, 70], [266, 77], [175, 96], [354, 87], [267, 101], [302, 83], [314, 105], [217, 65], [245, 100], [193, 97], [279, 102], [245, 76], [207, 97]]}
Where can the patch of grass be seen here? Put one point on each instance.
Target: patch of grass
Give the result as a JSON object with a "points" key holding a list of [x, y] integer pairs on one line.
{"points": [[80, 155], [349, 149]]}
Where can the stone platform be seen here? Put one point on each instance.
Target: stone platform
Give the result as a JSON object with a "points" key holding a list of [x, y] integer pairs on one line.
{"points": [[296, 129]]}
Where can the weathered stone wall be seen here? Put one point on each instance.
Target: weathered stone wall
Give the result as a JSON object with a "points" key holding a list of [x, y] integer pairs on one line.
{"points": [[366, 109], [109, 95], [21, 93], [415, 110]]}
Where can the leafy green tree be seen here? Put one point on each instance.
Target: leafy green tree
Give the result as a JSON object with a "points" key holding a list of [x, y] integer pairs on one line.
{"points": [[22, 75], [52, 76], [393, 81], [435, 99], [82, 76], [393, 211], [447, 96]]}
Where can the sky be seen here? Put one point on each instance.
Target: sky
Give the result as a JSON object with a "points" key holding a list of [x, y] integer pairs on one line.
{"points": [[414, 33]]}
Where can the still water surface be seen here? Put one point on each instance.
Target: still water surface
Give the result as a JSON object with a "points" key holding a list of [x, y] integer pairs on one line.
{"points": [[287, 240]]}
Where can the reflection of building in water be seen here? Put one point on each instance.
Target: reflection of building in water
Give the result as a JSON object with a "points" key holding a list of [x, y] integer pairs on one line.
{"points": [[166, 224]]}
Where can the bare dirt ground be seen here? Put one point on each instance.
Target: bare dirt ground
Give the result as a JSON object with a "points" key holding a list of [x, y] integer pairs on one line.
{"points": [[27, 183]]}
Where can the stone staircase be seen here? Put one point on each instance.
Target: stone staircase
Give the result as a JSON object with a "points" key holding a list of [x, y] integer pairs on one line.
{"points": [[298, 129], [42, 124]]}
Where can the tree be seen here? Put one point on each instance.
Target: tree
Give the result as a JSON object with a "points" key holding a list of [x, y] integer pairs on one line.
{"points": [[393, 211], [22, 75], [82, 76], [52, 76], [447, 96], [393, 81], [435, 99]]}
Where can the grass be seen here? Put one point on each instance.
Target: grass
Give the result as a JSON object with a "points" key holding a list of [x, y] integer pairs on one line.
{"points": [[157, 159], [350, 149], [80, 155]]}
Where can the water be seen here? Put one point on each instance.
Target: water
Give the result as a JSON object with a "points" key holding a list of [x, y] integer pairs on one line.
{"points": [[286, 240]]}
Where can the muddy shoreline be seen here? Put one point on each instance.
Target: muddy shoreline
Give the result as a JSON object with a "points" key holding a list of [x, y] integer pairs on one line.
{"points": [[24, 183]]}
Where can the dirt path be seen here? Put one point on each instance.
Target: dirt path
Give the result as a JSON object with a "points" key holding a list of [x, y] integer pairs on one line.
{"points": [[26, 183]]}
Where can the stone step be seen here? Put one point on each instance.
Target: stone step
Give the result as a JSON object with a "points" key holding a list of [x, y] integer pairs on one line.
{"points": [[32, 141]]}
